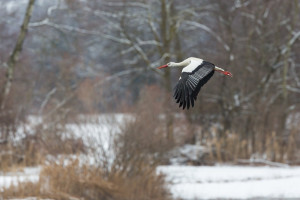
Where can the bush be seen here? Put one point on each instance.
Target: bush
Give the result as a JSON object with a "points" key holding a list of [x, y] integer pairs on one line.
{"points": [[74, 180]]}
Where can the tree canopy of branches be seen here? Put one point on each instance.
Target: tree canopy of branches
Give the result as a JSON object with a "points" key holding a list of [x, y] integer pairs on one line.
{"points": [[95, 56]]}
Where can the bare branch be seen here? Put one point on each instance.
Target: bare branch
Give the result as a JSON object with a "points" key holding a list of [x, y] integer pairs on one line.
{"points": [[46, 100], [129, 4], [207, 29], [78, 30], [293, 89], [291, 42], [54, 7], [122, 73]]}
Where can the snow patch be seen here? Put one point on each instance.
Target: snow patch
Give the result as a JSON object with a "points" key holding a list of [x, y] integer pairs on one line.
{"points": [[232, 182], [28, 174]]}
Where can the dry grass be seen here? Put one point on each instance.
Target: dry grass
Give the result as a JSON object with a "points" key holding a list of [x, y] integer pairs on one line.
{"points": [[30, 149], [79, 181], [15, 156], [231, 148]]}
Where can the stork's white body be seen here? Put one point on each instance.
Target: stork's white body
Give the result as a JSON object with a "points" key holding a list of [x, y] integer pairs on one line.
{"points": [[193, 64], [190, 64]]}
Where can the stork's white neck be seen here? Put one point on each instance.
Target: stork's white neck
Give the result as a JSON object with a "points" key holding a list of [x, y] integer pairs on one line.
{"points": [[180, 64]]}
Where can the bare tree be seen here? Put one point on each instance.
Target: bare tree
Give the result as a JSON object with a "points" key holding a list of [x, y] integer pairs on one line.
{"points": [[13, 58], [109, 50]]}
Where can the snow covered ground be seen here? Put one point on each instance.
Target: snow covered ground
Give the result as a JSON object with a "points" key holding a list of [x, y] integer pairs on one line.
{"points": [[233, 182]]}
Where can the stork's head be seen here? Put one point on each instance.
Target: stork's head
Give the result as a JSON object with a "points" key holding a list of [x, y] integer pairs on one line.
{"points": [[164, 66], [170, 64]]}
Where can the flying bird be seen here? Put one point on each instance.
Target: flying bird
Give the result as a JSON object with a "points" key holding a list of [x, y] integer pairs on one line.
{"points": [[195, 73]]}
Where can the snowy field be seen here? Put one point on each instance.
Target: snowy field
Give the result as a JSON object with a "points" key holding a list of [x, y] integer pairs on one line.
{"points": [[233, 182], [185, 182]]}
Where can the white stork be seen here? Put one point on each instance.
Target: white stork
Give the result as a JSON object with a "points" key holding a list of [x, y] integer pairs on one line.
{"points": [[194, 75]]}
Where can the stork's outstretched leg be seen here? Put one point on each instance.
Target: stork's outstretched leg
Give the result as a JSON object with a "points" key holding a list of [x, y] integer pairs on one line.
{"points": [[218, 69]]}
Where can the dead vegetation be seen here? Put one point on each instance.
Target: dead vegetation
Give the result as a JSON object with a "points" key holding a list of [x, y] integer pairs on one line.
{"points": [[144, 138], [139, 148], [80, 181], [25, 144], [231, 149]]}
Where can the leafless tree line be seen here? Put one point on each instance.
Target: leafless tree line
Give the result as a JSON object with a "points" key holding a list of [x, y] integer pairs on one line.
{"points": [[95, 56]]}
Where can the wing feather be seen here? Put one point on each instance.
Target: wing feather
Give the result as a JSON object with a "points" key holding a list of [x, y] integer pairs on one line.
{"points": [[190, 83]]}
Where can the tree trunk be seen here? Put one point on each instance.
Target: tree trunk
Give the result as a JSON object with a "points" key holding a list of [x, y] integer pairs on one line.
{"points": [[166, 40], [13, 58]]}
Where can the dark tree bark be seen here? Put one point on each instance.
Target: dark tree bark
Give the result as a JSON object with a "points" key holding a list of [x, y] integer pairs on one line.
{"points": [[13, 58]]}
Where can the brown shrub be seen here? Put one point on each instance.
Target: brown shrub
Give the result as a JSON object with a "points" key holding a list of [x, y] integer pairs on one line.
{"points": [[143, 139], [79, 181]]}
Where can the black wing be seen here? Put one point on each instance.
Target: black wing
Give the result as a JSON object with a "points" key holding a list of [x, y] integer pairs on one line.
{"points": [[190, 83]]}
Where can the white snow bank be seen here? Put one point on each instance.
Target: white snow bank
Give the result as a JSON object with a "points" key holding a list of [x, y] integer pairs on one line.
{"points": [[28, 174], [232, 182]]}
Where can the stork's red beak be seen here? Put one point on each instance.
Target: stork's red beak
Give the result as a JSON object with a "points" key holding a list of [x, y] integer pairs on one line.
{"points": [[163, 66]]}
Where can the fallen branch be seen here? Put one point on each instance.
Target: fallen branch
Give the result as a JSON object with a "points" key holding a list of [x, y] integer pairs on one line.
{"points": [[262, 161]]}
